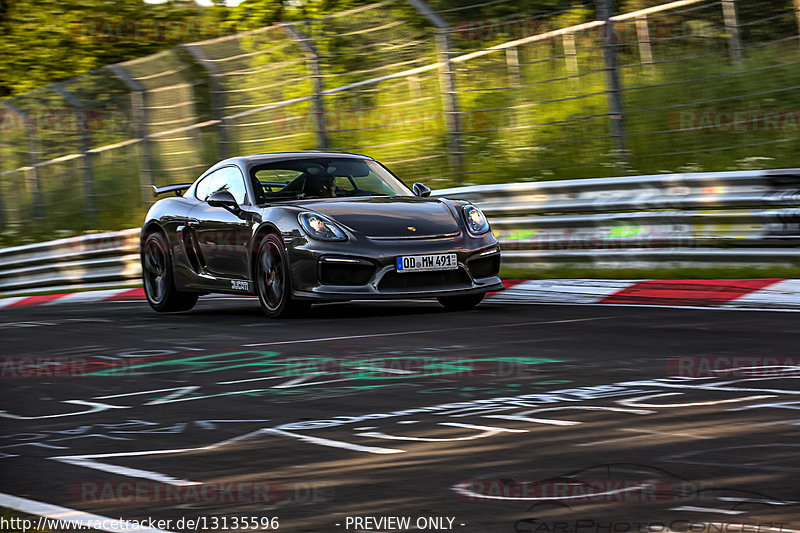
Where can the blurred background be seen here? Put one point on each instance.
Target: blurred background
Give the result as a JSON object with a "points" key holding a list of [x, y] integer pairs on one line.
{"points": [[100, 99]]}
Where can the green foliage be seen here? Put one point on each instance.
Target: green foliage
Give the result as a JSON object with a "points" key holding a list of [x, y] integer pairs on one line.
{"points": [[45, 41]]}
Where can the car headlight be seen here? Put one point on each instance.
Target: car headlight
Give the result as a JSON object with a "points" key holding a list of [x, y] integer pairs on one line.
{"points": [[476, 220], [319, 227]]}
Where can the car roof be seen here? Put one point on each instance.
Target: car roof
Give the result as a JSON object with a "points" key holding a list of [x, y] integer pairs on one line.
{"points": [[264, 158]]}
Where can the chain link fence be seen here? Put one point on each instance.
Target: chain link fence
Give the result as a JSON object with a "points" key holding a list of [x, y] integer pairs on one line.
{"points": [[489, 92]]}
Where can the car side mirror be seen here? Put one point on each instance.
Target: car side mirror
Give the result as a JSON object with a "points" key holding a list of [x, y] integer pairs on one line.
{"points": [[420, 189], [225, 200]]}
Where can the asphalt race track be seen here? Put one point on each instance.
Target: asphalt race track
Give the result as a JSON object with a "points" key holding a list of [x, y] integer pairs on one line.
{"points": [[534, 418]]}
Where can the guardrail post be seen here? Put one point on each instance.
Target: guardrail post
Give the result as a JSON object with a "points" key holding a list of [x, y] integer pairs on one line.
{"points": [[31, 173], [616, 112], [732, 29], [86, 144], [312, 61], [140, 120], [217, 98], [447, 81]]}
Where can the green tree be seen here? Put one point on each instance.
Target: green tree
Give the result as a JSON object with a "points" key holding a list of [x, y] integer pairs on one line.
{"points": [[45, 41]]}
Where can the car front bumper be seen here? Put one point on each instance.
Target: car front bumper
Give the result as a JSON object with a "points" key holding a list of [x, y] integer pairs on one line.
{"points": [[478, 261]]}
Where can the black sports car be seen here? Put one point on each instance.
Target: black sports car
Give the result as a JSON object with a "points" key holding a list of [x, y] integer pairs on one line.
{"points": [[302, 227]]}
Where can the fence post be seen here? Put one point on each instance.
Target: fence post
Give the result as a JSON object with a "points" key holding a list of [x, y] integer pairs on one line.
{"points": [[570, 58], [732, 29], [217, 97], [616, 112], [140, 121], [447, 81], [512, 63], [86, 146], [797, 13], [643, 36], [31, 173], [312, 61]]}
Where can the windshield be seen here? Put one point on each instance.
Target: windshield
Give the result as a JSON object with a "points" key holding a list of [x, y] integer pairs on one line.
{"points": [[297, 179]]}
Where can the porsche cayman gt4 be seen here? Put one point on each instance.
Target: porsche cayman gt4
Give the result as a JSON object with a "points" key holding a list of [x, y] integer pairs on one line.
{"points": [[303, 227]]}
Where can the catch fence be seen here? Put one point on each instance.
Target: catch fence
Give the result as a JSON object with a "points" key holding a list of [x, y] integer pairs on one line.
{"points": [[490, 92]]}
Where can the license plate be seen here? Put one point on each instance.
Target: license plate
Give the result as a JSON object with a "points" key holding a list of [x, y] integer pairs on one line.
{"points": [[425, 263]]}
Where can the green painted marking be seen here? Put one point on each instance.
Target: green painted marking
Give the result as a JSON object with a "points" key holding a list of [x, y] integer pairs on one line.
{"points": [[624, 231]]}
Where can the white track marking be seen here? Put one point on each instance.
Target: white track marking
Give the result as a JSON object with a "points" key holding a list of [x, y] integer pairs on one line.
{"points": [[235, 381], [89, 460], [333, 443], [592, 408], [127, 471], [422, 331], [609, 441], [755, 500], [549, 421], [781, 405], [635, 402], [483, 428], [665, 433], [488, 431], [57, 512], [93, 408], [706, 510], [301, 381]]}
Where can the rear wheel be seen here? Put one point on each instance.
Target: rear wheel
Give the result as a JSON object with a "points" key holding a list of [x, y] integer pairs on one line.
{"points": [[273, 282], [461, 303], [159, 283]]}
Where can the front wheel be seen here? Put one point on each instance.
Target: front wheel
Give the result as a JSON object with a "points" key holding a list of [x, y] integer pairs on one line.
{"points": [[461, 303], [273, 282], [157, 275]]}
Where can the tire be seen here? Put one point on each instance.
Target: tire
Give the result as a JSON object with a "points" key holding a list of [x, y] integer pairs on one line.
{"points": [[158, 278], [461, 303], [273, 282]]}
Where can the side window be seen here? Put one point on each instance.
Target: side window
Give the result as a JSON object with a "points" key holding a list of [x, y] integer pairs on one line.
{"points": [[225, 179]]}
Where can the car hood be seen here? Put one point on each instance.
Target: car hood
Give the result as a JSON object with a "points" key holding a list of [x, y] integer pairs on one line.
{"points": [[390, 217]]}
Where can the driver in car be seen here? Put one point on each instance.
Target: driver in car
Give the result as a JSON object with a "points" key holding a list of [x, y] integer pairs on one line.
{"points": [[321, 183]]}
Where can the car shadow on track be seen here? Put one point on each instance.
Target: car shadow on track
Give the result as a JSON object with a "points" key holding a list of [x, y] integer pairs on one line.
{"points": [[337, 310]]}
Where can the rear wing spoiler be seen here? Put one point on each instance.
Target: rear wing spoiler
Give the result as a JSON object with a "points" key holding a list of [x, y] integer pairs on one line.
{"points": [[177, 188]]}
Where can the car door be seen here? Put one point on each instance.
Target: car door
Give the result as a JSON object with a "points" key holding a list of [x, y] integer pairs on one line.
{"points": [[222, 236]]}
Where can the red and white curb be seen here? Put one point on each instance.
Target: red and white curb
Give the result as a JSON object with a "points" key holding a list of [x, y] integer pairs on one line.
{"points": [[719, 293], [75, 297]]}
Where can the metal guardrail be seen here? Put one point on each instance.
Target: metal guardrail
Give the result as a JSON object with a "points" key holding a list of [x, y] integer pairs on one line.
{"points": [[79, 262], [745, 218]]}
